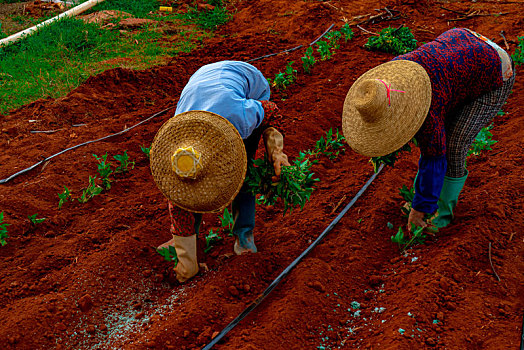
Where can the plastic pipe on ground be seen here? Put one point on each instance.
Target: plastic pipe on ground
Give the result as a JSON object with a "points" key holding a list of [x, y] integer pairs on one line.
{"points": [[69, 13]]}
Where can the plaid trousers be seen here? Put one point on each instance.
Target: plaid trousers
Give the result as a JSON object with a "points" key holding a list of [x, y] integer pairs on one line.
{"points": [[467, 122]]}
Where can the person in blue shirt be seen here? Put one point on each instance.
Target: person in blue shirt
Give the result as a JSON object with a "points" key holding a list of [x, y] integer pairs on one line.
{"points": [[225, 95]]}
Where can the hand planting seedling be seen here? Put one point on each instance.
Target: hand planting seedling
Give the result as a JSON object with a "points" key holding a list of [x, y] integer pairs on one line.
{"points": [[34, 220], [408, 194], [323, 49], [64, 197], [169, 254], [294, 187], [90, 191], [3, 229], [397, 41], [125, 164], [330, 146], [390, 159], [104, 170], [308, 60], [417, 236], [348, 33]]}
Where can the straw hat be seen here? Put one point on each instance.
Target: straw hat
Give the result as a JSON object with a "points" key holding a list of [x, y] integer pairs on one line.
{"points": [[385, 107], [198, 161]]}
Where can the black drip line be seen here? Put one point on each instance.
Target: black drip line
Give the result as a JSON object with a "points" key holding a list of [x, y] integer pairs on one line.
{"points": [[288, 269]]}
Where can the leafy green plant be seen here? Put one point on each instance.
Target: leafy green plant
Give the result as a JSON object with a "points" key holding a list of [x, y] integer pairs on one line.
{"points": [[63, 197], [227, 221], [348, 33], [125, 163], [393, 40], [323, 49], [294, 187], [418, 236], [308, 61], [169, 254], [330, 146], [34, 220], [291, 74], [518, 55], [104, 170], [146, 150], [333, 38], [482, 141], [3, 229], [211, 238], [90, 191], [390, 159]]}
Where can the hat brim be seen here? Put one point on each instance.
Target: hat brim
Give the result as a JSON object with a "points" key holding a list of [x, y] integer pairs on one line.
{"points": [[223, 159], [404, 117]]}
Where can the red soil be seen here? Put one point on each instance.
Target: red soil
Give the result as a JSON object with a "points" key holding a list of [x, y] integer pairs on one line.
{"points": [[89, 277]]}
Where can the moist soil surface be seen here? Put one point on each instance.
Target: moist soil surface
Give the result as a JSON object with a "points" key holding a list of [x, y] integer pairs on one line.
{"points": [[88, 277]]}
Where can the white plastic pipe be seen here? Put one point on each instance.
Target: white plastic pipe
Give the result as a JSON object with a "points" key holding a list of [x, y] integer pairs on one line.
{"points": [[69, 13]]}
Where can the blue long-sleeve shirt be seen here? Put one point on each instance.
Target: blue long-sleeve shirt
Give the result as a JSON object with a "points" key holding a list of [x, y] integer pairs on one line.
{"points": [[231, 89]]}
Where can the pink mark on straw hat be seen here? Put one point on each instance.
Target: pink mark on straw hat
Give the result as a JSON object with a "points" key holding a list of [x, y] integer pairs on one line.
{"points": [[388, 90]]}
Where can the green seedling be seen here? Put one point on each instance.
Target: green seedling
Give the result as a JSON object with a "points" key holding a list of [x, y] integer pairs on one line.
{"points": [[330, 146], [211, 238], [348, 33], [3, 229], [291, 74], [104, 170], [308, 61], [518, 55], [408, 194], [333, 38], [227, 221], [169, 254], [90, 191], [63, 197], [34, 220], [323, 49], [482, 141], [397, 41], [390, 159], [280, 81], [146, 150], [125, 163], [418, 237], [294, 187]]}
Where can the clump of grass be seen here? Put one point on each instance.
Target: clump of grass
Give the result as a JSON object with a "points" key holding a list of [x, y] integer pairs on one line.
{"points": [[397, 41]]}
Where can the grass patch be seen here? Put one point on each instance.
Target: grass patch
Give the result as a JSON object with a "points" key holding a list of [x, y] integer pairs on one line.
{"points": [[61, 56]]}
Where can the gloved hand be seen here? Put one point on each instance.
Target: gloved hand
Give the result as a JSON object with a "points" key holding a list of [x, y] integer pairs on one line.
{"points": [[416, 218], [274, 142]]}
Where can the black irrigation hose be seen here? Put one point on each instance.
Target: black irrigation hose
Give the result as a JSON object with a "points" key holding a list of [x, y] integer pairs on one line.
{"points": [[292, 49], [79, 145], [522, 337], [288, 269]]}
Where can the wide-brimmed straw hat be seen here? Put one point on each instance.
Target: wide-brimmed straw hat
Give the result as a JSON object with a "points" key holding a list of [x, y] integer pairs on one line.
{"points": [[385, 107], [198, 161]]}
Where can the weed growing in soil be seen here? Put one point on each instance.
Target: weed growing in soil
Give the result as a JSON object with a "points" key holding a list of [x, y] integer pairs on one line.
{"points": [[518, 55], [308, 61], [34, 220], [294, 187], [90, 191], [3, 229], [397, 41], [330, 146], [104, 170], [418, 236], [125, 163], [63, 197]]}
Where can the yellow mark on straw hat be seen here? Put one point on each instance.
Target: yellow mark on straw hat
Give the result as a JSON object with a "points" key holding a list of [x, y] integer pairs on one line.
{"points": [[186, 162]]}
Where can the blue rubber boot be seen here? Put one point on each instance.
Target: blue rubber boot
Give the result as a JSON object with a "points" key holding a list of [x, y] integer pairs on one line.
{"points": [[448, 200], [244, 217]]}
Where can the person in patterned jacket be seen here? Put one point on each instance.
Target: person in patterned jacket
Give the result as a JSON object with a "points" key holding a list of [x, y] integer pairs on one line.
{"points": [[232, 97], [442, 94]]}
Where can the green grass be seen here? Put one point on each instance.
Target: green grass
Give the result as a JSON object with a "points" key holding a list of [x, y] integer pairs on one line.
{"points": [[61, 56]]}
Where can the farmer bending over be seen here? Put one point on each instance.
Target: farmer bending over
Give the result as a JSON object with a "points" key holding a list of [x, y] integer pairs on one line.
{"points": [[442, 94], [199, 157]]}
